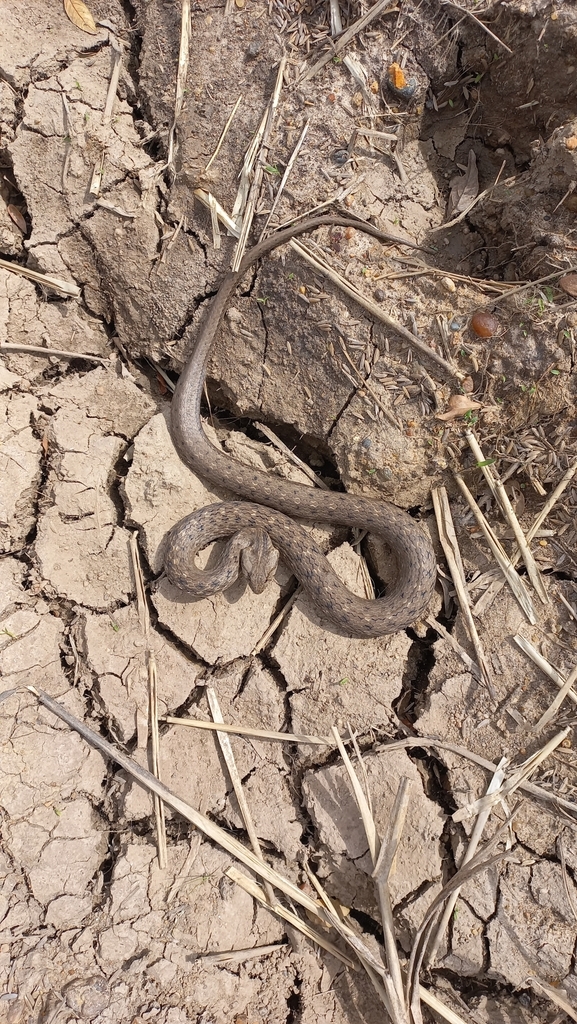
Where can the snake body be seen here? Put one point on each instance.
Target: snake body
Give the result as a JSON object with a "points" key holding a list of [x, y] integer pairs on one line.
{"points": [[273, 500]]}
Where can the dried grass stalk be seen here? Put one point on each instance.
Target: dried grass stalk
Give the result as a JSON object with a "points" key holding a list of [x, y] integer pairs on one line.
{"points": [[515, 582], [227, 753], [502, 498], [450, 546]]}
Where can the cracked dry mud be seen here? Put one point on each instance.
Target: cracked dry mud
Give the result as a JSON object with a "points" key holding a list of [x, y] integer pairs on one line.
{"points": [[91, 928]]}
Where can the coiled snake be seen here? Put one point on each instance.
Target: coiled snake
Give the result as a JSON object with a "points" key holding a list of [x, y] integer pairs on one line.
{"points": [[267, 523]]}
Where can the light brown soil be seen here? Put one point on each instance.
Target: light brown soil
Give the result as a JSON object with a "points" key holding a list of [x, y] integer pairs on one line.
{"points": [[91, 928]]}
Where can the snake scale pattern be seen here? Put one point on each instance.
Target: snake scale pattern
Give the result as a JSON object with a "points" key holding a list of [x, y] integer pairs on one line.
{"points": [[265, 520]]}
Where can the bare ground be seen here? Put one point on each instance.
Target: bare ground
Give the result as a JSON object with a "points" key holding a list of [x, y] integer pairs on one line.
{"points": [[91, 928]]}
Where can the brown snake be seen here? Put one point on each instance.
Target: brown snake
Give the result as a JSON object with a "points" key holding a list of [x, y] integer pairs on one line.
{"points": [[403, 603]]}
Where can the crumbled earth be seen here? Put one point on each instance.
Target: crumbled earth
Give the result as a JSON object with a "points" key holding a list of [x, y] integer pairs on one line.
{"points": [[92, 926]]}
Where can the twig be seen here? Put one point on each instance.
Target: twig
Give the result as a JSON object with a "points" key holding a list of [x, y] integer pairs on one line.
{"points": [[291, 455], [380, 8], [284, 179], [470, 14], [466, 658], [531, 284], [450, 546], [223, 134], [374, 309], [38, 350]]}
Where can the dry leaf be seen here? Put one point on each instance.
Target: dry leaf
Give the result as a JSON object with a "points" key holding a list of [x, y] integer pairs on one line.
{"points": [[464, 188], [458, 406], [15, 215], [80, 16]]}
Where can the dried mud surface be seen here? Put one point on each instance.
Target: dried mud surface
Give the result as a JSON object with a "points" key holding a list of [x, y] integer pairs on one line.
{"points": [[91, 928]]}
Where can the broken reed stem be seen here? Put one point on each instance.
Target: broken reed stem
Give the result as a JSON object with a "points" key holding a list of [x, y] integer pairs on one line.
{"points": [[214, 222], [158, 805], [565, 685], [257, 893], [470, 852], [55, 283], [395, 990], [515, 582], [450, 547], [238, 956], [223, 134], [532, 284], [118, 51], [338, 198], [249, 730], [551, 501], [277, 621], [254, 190], [552, 710], [37, 350], [502, 498], [200, 821], [230, 762], [381, 873], [185, 28], [378, 10], [152, 677], [285, 177], [515, 780]]}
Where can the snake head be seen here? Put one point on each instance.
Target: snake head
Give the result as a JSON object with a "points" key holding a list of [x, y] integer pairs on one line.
{"points": [[258, 558]]}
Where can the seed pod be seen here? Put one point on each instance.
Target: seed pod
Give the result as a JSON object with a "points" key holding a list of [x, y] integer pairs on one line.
{"points": [[484, 325]]}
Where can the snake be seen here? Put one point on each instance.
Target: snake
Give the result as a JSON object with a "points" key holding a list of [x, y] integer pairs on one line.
{"points": [[262, 526]]}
